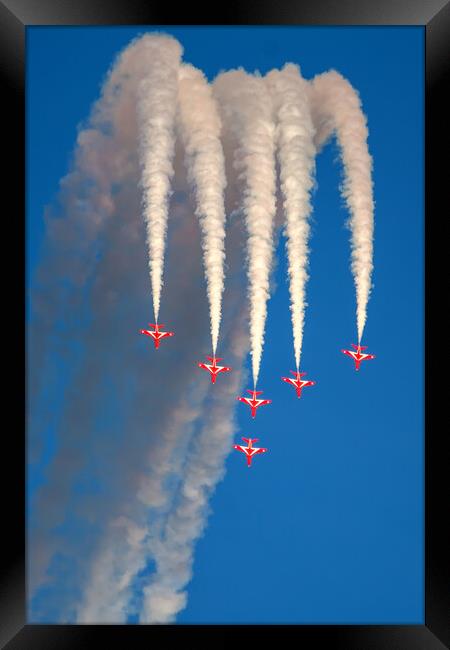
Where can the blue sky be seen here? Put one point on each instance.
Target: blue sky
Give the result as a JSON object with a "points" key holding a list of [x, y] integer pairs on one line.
{"points": [[328, 526]]}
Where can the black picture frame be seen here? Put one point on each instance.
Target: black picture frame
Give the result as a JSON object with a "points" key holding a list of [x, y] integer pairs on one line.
{"points": [[434, 16]]}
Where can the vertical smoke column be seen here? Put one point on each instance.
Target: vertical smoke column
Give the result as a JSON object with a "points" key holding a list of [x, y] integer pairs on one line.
{"points": [[296, 155], [173, 549], [200, 128], [247, 114], [156, 110], [337, 107]]}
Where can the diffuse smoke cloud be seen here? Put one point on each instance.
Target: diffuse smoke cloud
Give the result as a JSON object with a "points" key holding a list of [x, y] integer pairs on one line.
{"points": [[170, 507]]}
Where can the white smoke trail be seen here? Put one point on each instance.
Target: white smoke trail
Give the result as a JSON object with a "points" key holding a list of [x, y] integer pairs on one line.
{"points": [[337, 107], [296, 153], [200, 129], [247, 114], [173, 550], [124, 550], [108, 591], [156, 110]]}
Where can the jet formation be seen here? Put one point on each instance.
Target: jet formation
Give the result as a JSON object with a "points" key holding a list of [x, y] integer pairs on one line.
{"points": [[254, 402]]}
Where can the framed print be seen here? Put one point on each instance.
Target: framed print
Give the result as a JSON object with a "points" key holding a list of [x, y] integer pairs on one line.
{"points": [[233, 267]]}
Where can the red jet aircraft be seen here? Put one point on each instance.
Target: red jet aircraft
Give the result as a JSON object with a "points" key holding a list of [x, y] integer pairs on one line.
{"points": [[253, 402], [214, 369], [156, 334], [358, 356], [249, 450], [298, 382]]}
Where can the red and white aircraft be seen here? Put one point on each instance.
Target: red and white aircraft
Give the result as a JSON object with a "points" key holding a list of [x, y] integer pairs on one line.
{"points": [[358, 356], [249, 450], [156, 334], [253, 402], [298, 382], [214, 369]]}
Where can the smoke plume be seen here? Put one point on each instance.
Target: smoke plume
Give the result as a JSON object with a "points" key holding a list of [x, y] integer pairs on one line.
{"points": [[337, 107], [156, 109], [200, 129], [296, 154], [246, 109]]}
